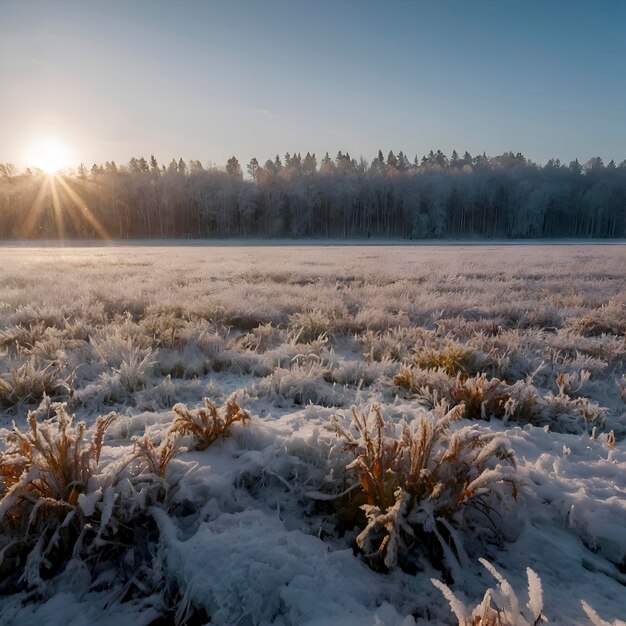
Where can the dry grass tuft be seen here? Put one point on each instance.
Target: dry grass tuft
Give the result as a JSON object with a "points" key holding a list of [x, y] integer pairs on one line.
{"points": [[58, 502], [207, 424], [53, 459], [609, 319], [312, 325], [44, 471], [452, 358], [156, 457], [29, 383], [260, 339], [418, 481], [482, 396], [404, 378], [15, 338]]}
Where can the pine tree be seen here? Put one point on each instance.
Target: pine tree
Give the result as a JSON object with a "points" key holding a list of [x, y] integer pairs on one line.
{"points": [[233, 169], [253, 169], [575, 167]]}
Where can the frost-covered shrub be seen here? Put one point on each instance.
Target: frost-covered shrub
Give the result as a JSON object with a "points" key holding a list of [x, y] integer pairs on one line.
{"points": [[118, 342], [207, 424], [164, 329], [285, 355], [608, 319], [131, 306], [262, 338], [307, 327], [30, 382], [545, 318], [563, 414], [452, 358], [16, 337], [499, 606], [168, 392], [484, 397], [179, 364], [45, 471], [52, 347], [430, 385], [47, 315], [481, 396], [59, 502], [301, 384], [419, 478], [464, 329], [154, 458], [571, 382], [120, 383], [392, 345], [134, 370], [362, 372], [234, 361], [209, 340], [510, 354]]}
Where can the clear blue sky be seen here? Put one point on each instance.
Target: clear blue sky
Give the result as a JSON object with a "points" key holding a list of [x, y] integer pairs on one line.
{"points": [[206, 80]]}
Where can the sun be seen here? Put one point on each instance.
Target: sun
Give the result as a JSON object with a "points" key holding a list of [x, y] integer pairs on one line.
{"points": [[49, 154]]}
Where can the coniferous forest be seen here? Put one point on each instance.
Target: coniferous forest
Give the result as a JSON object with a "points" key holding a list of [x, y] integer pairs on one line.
{"points": [[437, 196]]}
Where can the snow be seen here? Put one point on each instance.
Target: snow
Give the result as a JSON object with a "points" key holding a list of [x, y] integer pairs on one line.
{"points": [[300, 334], [248, 565]]}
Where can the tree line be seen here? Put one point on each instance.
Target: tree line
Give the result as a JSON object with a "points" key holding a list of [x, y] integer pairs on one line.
{"points": [[437, 196]]}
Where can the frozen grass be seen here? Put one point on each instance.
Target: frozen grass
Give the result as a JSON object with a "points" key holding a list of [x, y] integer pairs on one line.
{"points": [[207, 424], [500, 606], [47, 473], [418, 478], [524, 344]]}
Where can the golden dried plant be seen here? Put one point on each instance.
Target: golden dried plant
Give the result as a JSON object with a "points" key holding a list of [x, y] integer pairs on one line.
{"points": [[31, 382], [481, 395], [424, 463], [453, 358], [53, 459], [208, 423], [157, 457], [43, 473]]}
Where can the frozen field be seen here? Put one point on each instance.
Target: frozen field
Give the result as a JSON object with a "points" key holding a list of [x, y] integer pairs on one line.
{"points": [[500, 377]]}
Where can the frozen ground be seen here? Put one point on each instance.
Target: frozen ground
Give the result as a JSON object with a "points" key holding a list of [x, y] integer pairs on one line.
{"points": [[530, 338]]}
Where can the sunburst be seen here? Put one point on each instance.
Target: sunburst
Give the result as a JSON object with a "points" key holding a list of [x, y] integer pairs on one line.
{"points": [[57, 194], [49, 154]]}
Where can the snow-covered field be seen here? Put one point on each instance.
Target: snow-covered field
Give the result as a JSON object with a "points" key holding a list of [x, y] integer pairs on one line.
{"points": [[290, 519]]}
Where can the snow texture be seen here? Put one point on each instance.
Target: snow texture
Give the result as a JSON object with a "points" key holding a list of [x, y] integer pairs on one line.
{"points": [[300, 334]]}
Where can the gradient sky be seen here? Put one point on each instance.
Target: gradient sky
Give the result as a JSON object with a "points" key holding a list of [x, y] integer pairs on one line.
{"points": [[205, 80]]}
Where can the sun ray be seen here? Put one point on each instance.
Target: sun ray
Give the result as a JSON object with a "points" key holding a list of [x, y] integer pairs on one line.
{"points": [[34, 213], [81, 206], [68, 208], [58, 213]]}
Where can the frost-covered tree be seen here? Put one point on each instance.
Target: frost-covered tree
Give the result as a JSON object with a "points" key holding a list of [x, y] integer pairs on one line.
{"points": [[499, 196], [233, 169]]}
